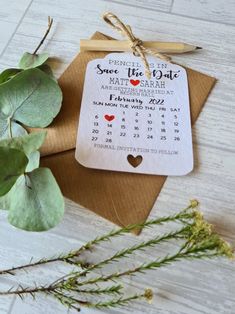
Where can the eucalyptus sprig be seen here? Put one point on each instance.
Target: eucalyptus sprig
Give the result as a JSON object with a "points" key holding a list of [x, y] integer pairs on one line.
{"points": [[29, 97], [81, 287]]}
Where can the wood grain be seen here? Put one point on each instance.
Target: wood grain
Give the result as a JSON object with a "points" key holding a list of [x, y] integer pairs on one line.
{"points": [[185, 288], [217, 11], [11, 14]]}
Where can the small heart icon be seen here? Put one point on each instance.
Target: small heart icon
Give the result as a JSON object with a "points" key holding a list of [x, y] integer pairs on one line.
{"points": [[134, 161], [109, 117], [135, 82]]}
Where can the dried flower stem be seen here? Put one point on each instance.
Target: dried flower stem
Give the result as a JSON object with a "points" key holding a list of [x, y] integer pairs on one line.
{"points": [[115, 289], [199, 241], [11, 271], [25, 290], [181, 233], [184, 214], [50, 22], [72, 302], [117, 302], [188, 254], [69, 301]]}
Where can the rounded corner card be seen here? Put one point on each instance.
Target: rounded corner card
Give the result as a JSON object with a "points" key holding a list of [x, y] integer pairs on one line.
{"points": [[133, 124]]}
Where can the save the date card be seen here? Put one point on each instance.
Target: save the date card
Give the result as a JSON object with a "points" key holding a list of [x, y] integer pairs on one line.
{"points": [[134, 124]]}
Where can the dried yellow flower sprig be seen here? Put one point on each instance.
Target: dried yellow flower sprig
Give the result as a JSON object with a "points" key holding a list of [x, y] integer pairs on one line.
{"points": [[197, 240]]}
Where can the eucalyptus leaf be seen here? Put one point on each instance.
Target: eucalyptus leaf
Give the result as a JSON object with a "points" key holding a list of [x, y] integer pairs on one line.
{"points": [[28, 143], [8, 74], [5, 200], [17, 129], [4, 126], [8, 130], [31, 97], [47, 69], [29, 60], [34, 160], [36, 202], [13, 163]]}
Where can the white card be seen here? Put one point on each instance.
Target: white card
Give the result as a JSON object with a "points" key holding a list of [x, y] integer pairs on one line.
{"points": [[133, 124]]}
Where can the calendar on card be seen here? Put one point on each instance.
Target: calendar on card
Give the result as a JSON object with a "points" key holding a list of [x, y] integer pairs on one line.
{"points": [[134, 124]]}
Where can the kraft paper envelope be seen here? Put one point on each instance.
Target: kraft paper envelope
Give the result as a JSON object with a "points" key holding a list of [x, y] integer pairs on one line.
{"points": [[123, 198]]}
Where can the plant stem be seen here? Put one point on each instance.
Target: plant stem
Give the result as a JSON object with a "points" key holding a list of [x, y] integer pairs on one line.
{"points": [[62, 282], [116, 302], [111, 303], [199, 242], [188, 254], [31, 291], [67, 301], [70, 300], [128, 251], [109, 290], [40, 262], [50, 22], [184, 214]]}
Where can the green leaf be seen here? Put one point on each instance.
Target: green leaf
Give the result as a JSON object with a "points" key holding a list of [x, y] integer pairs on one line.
{"points": [[5, 200], [34, 160], [29, 60], [31, 97], [28, 143], [10, 128], [37, 203], [13, 163], [8, 74], [47, 69], [4, 123], [17, 129]]}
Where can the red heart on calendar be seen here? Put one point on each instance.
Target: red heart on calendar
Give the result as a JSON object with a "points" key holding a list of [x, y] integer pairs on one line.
{"points": [[109, 117], [135, 82]]}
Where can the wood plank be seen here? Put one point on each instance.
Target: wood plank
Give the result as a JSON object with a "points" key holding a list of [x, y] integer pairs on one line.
{"points": [[10, 15], [160, 5], [12, 11], [6, 31], [210, 10]]}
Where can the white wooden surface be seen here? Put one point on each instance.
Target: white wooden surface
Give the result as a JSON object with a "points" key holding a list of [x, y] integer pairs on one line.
{"points": [[206, 287]]}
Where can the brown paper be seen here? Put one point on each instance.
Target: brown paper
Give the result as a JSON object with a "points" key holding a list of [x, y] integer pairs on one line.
{"points": [[123, 198]]}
